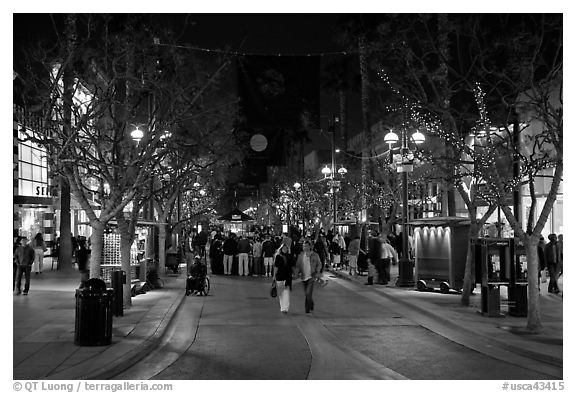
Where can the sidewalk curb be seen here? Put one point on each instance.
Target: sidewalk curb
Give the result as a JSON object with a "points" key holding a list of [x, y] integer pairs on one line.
{"points": [[103, 368], [552, 360]]}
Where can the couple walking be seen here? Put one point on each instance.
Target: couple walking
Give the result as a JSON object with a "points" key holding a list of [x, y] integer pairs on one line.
{"points": [[307, 267]]}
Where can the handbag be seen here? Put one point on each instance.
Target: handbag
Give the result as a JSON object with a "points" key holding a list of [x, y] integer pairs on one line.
{"points": [[273, 290], [543, 277]]}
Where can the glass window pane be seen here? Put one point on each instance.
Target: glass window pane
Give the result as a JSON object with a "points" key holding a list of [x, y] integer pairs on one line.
{"points": [[26, 171], [26, 188], [37, 173], [26, 154], [36, 156]]}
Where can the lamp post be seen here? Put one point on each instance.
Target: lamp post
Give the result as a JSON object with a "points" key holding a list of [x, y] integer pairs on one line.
{"points": [[297, 186], [334, 185], [330, 173], [405, 268]]}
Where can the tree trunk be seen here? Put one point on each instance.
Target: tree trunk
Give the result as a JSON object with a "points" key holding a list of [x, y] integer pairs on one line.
{"points": [[534, 323], [162, 249], [97, 244], [126, 240], [467, 285], [65, 252]]}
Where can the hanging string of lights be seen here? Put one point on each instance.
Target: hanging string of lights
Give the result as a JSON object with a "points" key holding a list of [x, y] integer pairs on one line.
{"points": [[246, 53]]}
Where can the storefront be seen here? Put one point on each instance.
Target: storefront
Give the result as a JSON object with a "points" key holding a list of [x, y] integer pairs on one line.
{"points": [[236, 222], [34, 195]]}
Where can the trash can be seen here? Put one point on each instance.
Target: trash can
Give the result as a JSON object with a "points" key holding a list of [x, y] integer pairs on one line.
{"points": [[93, 314], [519, 304], [490, 301]]}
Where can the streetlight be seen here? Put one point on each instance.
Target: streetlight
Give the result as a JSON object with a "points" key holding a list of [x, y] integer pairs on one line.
{"points": [[297, 186], [137, 135], [329, 174], [405, 272]]}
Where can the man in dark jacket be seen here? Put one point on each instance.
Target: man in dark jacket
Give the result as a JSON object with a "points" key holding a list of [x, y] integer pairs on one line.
{"points": [[230, 249], [268, 250], [24, 258], [552, 255], [244, 249], [374, 247]]}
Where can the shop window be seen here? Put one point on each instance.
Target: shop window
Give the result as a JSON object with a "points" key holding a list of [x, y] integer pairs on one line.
{"points": [[32, 167]]}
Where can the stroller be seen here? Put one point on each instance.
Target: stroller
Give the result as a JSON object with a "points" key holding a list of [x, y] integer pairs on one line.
{"points": [[198, 282]]}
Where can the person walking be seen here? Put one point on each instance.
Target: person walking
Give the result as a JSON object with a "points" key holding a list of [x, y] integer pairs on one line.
{"points": [[25, 256], [353, 251], [244, 249], [374, 249], [216, 255], [387, 255], [336, 249], [321, 249], [552, 255], [282, 273], [230, 249], [202, 241], [268, 251], [17, 244], [39, 248], [541, 261], [308, 268], [82, 255], [257, 253]]}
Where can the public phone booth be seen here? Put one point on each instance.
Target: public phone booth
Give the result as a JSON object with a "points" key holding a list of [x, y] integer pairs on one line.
{"points": [[495, 266]]}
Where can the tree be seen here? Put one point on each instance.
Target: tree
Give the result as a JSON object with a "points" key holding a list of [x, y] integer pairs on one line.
{"points": [[123, 77], [438, 64]]}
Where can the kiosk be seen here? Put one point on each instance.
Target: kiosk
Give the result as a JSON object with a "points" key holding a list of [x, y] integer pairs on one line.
{"points": [[440, 249], [236, 221]]}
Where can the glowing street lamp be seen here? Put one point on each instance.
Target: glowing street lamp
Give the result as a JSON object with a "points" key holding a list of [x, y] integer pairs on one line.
{"points": [[405, 271], [137, 134]]}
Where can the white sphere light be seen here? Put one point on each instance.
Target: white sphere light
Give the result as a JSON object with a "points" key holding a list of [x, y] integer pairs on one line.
{"points": [[137, 134], [418, 137], [391, 138]]}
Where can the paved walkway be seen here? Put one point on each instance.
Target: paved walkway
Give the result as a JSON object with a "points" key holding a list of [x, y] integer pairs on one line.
{"points": [[460, 323], [43, 327]]}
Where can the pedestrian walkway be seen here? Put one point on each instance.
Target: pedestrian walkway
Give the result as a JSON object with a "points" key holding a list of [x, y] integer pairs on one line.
{"points": [[44, 325], [505, 332]]}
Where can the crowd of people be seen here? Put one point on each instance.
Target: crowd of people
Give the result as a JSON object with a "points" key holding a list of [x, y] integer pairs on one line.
{"points": [[551, 260], [283, 257]]}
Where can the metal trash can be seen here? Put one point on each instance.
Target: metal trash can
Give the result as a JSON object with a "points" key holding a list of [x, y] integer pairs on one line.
{"points": [[519, 305], [93, 314], [490, 301]]}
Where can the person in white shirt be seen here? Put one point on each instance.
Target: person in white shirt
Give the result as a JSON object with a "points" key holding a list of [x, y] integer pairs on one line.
{"points": [[353, 251], [282, 273], [387, 254], [308, 268]]}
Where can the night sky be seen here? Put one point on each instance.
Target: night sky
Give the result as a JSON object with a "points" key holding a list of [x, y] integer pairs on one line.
{"points": [[244, 33], [261, 33]]}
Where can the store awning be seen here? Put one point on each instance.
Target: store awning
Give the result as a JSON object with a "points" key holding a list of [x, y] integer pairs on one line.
{"points": [[440, 221], [235, 216]]}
